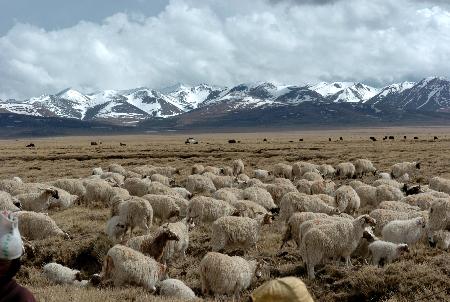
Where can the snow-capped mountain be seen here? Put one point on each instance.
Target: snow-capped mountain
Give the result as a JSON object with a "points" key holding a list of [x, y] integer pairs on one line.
{"points": [[207, 101]]}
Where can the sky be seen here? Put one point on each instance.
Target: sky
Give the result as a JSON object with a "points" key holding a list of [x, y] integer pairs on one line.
{"points": [[49, 45]]}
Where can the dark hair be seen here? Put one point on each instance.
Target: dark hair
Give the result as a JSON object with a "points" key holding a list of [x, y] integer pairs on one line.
{"points": [[14, 267]]}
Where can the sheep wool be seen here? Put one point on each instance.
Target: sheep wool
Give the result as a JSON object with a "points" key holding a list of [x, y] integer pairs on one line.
{"points": [[385, 250], [115, 229], [175, 288], [440, 184], [8, 202], [260, 196], [282, 170], [35, 226], [297, 202], [207, 209], [60, 274], [439, 215], [294, 223], [200, 184], [345, 170], [400, 169], [404, 231], [347, 200], [363, 166], [238, 167]]}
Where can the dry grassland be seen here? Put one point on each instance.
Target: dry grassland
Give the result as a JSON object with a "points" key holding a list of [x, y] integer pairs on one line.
{"points": [[423, 275]]}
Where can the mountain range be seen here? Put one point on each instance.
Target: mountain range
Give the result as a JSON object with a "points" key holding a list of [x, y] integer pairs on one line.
{"points": [[184, 105]]}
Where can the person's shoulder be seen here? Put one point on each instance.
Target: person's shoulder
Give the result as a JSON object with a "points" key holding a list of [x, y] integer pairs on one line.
{"points": [[24, 295]]}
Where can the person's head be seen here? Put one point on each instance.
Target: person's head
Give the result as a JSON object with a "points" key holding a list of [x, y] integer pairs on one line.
{"points": [[11, 246]]}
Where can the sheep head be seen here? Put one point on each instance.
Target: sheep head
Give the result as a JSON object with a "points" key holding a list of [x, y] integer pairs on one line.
{"points": [[366, 220], [403, 248], [54, 193]]}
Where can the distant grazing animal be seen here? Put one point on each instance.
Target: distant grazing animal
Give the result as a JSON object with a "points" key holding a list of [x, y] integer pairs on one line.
{"points": [[329, 139], [94, 143], [415, 137], [30, 145], [404, 137], [391, 137], [341, 139], [123, 144], [232, 141], [300, 140], [373, 138], [435, 138]]}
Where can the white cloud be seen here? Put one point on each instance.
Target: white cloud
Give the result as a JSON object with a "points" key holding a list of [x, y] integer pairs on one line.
{"points": [[375, 41]]}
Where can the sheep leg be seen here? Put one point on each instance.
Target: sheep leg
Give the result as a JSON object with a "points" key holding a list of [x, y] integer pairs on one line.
{"points": [[348, 262], [310, 269]]}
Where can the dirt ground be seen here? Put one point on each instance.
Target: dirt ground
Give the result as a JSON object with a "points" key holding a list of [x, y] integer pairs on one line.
{"points": [[423, 274]]}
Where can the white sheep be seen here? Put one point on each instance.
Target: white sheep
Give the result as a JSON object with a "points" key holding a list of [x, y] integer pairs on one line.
{"points": [[367, 195], [300, 168], [200, 184], [238, 167], [137, 186], [386, 192], [440, 184], [211, 169], [37, 202], [322, 187], [162, 179], [176, 289], [282, 170], [326, 170], [184, 193], [440, 239], [398, 206], [35, 226], [298, 202], [207, 209], [248, 208], [332, 240], [400, 169], [404, 231], [8, 202], [356, 183], [116, 168], [164, 207], [124, 265], [60, 274], [115, 229], [114, 179], [197, 169], [177, 248], [278, 191], [303, 186], [242, 179], [226, 170], [222, 274], [135, 212], [312, 176], [260, 196], [384, 216], [347, 200], [102, 192], [421, 200], [293, 225], [386, 251], [261, 174], [97, 171], [227, 195], [384, 175], [389, 182], [440, 215], [237, 232], [345, 170], [363, 166], [71, 185], [158, 188]]}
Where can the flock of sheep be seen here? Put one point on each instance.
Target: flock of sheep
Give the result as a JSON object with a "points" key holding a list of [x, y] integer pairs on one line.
{"points": [[319, 217]]}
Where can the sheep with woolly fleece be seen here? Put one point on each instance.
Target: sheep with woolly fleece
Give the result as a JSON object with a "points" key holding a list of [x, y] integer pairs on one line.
{"points": [[260, 196], [386, 192], [404, 231], [356, 183], [298, 202], [439, 212], [137, 186], [404, 178], [326, 170], [158, 188], [36, 226], [162, 179], [383, 217], [60, 274], [278, 191], [10, 185], [312, 176], [64, 201], [248, 208], [261, 174], [294, 223], [124, 265], [238, 167], [97, 171], [363, 166], [345, 170], [367, 195], [399, 169], [224, 181], [347, 200], [115, 229], [227, 171], [300, 168], [167, 171], [227, 195], [422, 200], [242, 178], [362, 250], [37, 202], [116, 168], [440, 239], [207, 209], [440, 184], [200, 184], [177, 248], [8, 202], [322, 187], [398, 206], [282, 170], [254, 182], [213, 170], [164, 207], [389, 182], [113, 178], [176, 289], [197, 169], [144, 170], [222, 274], [332, 240], [71, 185], [183, 192], [386, 251], [384, 175], [231, 232], [303, 186], [282, 181], [135, 212], [102, 192]]}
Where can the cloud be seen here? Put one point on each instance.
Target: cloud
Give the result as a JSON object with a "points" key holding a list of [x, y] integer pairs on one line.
{"points": [[376, 42]]}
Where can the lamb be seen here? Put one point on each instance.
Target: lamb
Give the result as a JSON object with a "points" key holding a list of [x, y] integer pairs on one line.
{"points": [[60, 274], [137, 186], [440, 184], [367, 195], [262, 174], [124, 265], [332, 240], [440, 239], [260, 196], [207, 209], [400, 169], [164, 207], [384, 216], [8, 202], [300, 168], [116, 168], [440, 215], [422, 200], [115, 229], [326, 170], [200, 184], [386, 192], [162, 179], [363, 166], [347, 200], [197, 169], [294, 223], [404, 231], [398, 206], [238, 167], [176, 289], [237, 232], [248, 208], [222, 274], [71, 185], [37, 202], [36, 226], [282, 170], [345, 170], [386, 251], [134, 212], [297, 202]]}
